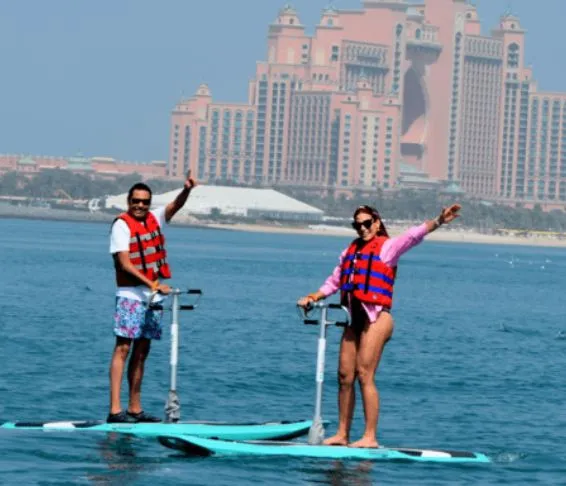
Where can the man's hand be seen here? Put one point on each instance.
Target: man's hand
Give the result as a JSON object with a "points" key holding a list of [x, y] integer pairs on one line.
{"points": [[163, 289], [174, 206], [190, 182]]}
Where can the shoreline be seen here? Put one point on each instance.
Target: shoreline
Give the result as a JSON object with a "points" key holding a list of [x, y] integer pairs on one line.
{"points": [[443, 235]]}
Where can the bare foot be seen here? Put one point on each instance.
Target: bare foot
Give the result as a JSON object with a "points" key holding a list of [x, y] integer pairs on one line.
{"points": [[365, 443], [337, 440]]}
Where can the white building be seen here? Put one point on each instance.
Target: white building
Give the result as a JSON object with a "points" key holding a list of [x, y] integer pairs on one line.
{"points": [[232, 201]]}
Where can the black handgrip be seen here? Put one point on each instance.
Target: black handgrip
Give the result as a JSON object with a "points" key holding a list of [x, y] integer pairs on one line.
{"points": [[194, 291], [187, 307], [342, 323], [311, 321], [156, 307], [335, 306]]}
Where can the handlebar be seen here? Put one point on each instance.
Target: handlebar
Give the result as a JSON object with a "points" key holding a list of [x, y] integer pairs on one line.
{"points": [[324, 306], [192, 306]]}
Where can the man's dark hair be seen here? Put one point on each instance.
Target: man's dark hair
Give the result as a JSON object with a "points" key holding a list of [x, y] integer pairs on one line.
{"points": [[138, 186]]}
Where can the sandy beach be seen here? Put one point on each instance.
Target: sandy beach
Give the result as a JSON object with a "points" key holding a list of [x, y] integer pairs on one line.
{"points": [[443, 234]]}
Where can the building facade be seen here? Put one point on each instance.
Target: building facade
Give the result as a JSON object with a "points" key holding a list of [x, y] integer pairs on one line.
{"points": [[96, 166], [378, 93]]}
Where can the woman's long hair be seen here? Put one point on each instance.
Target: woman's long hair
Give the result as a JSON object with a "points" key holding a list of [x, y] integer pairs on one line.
{"points": [[375, 216]]}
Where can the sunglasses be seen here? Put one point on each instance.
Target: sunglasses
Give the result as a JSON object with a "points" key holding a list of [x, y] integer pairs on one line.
{"points": [[145, 202], [366, 224]]}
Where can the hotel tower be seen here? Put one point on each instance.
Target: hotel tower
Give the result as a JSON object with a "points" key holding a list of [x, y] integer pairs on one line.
{"points": [[390, 95]]}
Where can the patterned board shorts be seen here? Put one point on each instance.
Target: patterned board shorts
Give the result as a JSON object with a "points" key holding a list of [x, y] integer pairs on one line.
{"points": [[133, 320]]}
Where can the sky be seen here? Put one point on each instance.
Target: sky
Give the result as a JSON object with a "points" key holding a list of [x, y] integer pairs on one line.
{"points": [[100, 77]]}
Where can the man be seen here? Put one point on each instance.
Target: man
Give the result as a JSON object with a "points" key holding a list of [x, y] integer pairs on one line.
{"points": [[137, 247]]}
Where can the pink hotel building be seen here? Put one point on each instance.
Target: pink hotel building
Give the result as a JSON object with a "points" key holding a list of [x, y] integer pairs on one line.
{"points": [[394, 94]]}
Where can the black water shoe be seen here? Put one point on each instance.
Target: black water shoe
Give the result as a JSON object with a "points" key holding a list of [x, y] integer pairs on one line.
{"points": [[120, 418], [143, 417]]}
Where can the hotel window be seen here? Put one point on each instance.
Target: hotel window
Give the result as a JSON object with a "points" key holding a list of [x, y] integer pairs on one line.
{"points": [[397, 61], [513, 56], [335, 53]]}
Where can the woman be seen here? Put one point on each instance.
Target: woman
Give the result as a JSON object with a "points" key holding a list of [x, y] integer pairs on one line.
{"points": [[365, 277]]}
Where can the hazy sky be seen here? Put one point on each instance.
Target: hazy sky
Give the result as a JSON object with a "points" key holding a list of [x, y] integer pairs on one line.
{"points": [[101, 76]]}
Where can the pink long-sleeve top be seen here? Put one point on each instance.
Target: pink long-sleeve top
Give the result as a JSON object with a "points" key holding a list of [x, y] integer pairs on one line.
{"points": [[390, 253]]}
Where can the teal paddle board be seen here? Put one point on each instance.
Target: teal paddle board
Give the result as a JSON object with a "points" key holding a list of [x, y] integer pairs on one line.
{"points": [[225, 430], [198, 446]]}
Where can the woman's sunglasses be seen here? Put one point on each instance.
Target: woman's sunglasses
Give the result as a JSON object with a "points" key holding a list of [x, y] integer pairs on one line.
{"points": [[366, 224]]}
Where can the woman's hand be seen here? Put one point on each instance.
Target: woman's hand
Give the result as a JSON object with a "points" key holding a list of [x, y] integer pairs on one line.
{"points": [[449, 214], [446, 216], [305, 302]]}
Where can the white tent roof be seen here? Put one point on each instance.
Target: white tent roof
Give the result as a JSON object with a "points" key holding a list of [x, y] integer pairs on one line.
{"points": [[228, 199]]}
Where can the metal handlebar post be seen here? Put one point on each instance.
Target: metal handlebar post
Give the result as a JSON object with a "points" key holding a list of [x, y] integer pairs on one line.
{"points": [[173, 404], [316, 431]]}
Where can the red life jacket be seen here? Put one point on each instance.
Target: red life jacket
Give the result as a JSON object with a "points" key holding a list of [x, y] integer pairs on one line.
{"points": [[147, 251], [365, 276]]}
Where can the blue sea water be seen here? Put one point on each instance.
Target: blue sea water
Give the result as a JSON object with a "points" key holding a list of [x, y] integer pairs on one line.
{"points": [[476, 362]]}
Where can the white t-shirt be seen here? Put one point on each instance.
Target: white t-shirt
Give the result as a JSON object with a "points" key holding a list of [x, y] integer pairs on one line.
{"points": [[120, 241]]}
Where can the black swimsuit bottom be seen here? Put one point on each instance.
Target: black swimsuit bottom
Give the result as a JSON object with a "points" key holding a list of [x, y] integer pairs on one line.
{"points": [[359, 316]]}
